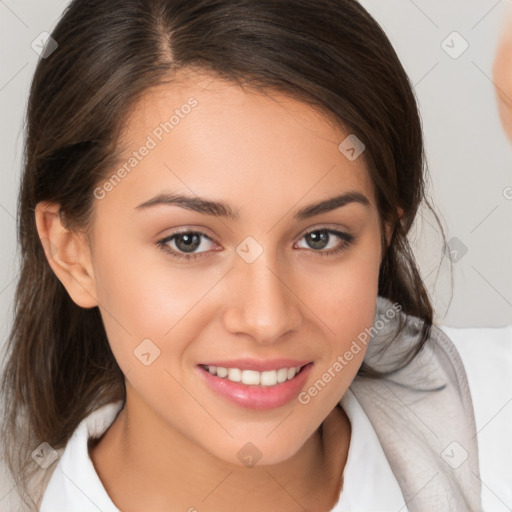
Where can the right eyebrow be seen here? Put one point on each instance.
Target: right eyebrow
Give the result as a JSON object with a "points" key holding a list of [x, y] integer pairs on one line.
{"points": [[198, 204]]}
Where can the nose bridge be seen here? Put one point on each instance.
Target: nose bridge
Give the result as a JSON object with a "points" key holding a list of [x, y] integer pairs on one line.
{"points": [[263, 305]]}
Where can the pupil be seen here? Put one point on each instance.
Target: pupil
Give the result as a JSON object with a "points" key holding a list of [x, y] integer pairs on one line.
{"points": [[318, 238], [191, 241]]}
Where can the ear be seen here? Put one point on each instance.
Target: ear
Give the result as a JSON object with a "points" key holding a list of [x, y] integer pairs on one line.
{"points": [[68, 254]]}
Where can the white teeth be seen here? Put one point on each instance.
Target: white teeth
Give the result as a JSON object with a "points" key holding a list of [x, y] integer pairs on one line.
{"points": [[222, 372], [269, 378], [234, 374], [282, 374], [253, 377]]}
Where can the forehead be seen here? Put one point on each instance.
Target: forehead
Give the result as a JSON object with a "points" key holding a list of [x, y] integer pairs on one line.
{"points": [[206, 134], [215, 95]]}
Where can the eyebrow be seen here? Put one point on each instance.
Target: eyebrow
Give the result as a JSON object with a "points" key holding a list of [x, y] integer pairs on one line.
{"points": [[221, 209]]}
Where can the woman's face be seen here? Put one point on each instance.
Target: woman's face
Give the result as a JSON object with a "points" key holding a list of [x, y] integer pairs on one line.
{"points": [[266, 289]]}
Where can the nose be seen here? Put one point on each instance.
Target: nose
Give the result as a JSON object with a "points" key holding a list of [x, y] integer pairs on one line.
{"points": [[262, 302]]}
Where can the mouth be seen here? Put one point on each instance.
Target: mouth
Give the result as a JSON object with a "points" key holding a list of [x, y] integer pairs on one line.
{"points": [[254, 389]]}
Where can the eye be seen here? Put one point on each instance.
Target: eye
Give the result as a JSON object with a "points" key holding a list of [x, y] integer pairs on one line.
{"points": [[321, 238], [185, 243]]}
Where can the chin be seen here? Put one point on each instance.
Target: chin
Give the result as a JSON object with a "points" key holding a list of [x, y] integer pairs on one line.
{"points": [[249, 454]]}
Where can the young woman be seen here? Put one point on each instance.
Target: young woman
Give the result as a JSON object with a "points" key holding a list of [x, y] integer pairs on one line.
{"points": [[218, 307]]}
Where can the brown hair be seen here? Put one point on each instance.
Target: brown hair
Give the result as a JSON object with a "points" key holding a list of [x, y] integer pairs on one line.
{"points": [[329, 53]]}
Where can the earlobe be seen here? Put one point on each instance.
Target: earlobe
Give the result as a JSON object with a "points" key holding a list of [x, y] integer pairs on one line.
{"points": [[68, 254]]}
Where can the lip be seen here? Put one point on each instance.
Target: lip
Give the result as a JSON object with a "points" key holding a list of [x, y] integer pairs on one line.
{"points": [[257, 397], [258, 365]]}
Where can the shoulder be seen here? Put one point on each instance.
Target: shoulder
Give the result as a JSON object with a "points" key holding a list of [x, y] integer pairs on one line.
{"points": [[422, 413], [74, 483]]}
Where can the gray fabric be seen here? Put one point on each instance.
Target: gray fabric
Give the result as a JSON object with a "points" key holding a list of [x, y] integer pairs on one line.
{"points": [[423, 415]]}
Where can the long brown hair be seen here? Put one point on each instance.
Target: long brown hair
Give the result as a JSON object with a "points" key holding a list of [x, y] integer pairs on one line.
{"points": [[330, 54]]}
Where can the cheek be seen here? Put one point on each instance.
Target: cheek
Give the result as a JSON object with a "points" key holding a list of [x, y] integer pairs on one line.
{"points": [[351, 318], [345, 304], [142, 290], [140, 298], [344, 296]]}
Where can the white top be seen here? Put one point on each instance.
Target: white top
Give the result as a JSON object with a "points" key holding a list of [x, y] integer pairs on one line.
{"points": [[369, 484]]}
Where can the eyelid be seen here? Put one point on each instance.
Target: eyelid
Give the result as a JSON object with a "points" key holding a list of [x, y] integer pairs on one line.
{"points": [[188, 229], [320, 226]]}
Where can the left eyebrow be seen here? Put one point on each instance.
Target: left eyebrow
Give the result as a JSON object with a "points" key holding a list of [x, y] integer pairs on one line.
{"points": [[220, 209], [332, 204]]}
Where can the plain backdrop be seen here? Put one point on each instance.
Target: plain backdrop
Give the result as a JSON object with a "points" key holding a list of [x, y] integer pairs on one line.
{"points": [[469, 158]]}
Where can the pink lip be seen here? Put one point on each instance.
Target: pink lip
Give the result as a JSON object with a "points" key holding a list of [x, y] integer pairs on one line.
{"points": [[257, 397], [258, 365]]}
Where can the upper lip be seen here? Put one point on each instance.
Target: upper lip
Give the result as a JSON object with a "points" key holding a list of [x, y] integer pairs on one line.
{"points": [[257, 364]]}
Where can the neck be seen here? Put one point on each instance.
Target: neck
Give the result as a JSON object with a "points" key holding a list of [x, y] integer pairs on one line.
{"points": [[167, 471]]}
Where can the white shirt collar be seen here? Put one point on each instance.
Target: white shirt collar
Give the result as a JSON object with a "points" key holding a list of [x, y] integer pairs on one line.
{"points": [[74, 485], [369, 483]]}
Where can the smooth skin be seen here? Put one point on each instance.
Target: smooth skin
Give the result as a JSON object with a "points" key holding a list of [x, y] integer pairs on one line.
{"points": [[174, 445]]}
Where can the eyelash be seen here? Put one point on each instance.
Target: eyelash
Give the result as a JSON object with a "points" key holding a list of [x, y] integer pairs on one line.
{"points": [[346, 237]]}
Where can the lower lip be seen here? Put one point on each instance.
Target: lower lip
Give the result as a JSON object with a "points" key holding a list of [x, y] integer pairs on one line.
{"points": [[257, 397]]}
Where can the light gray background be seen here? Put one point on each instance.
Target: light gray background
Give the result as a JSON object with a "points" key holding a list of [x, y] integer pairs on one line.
{"points": [[469, 157]]}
